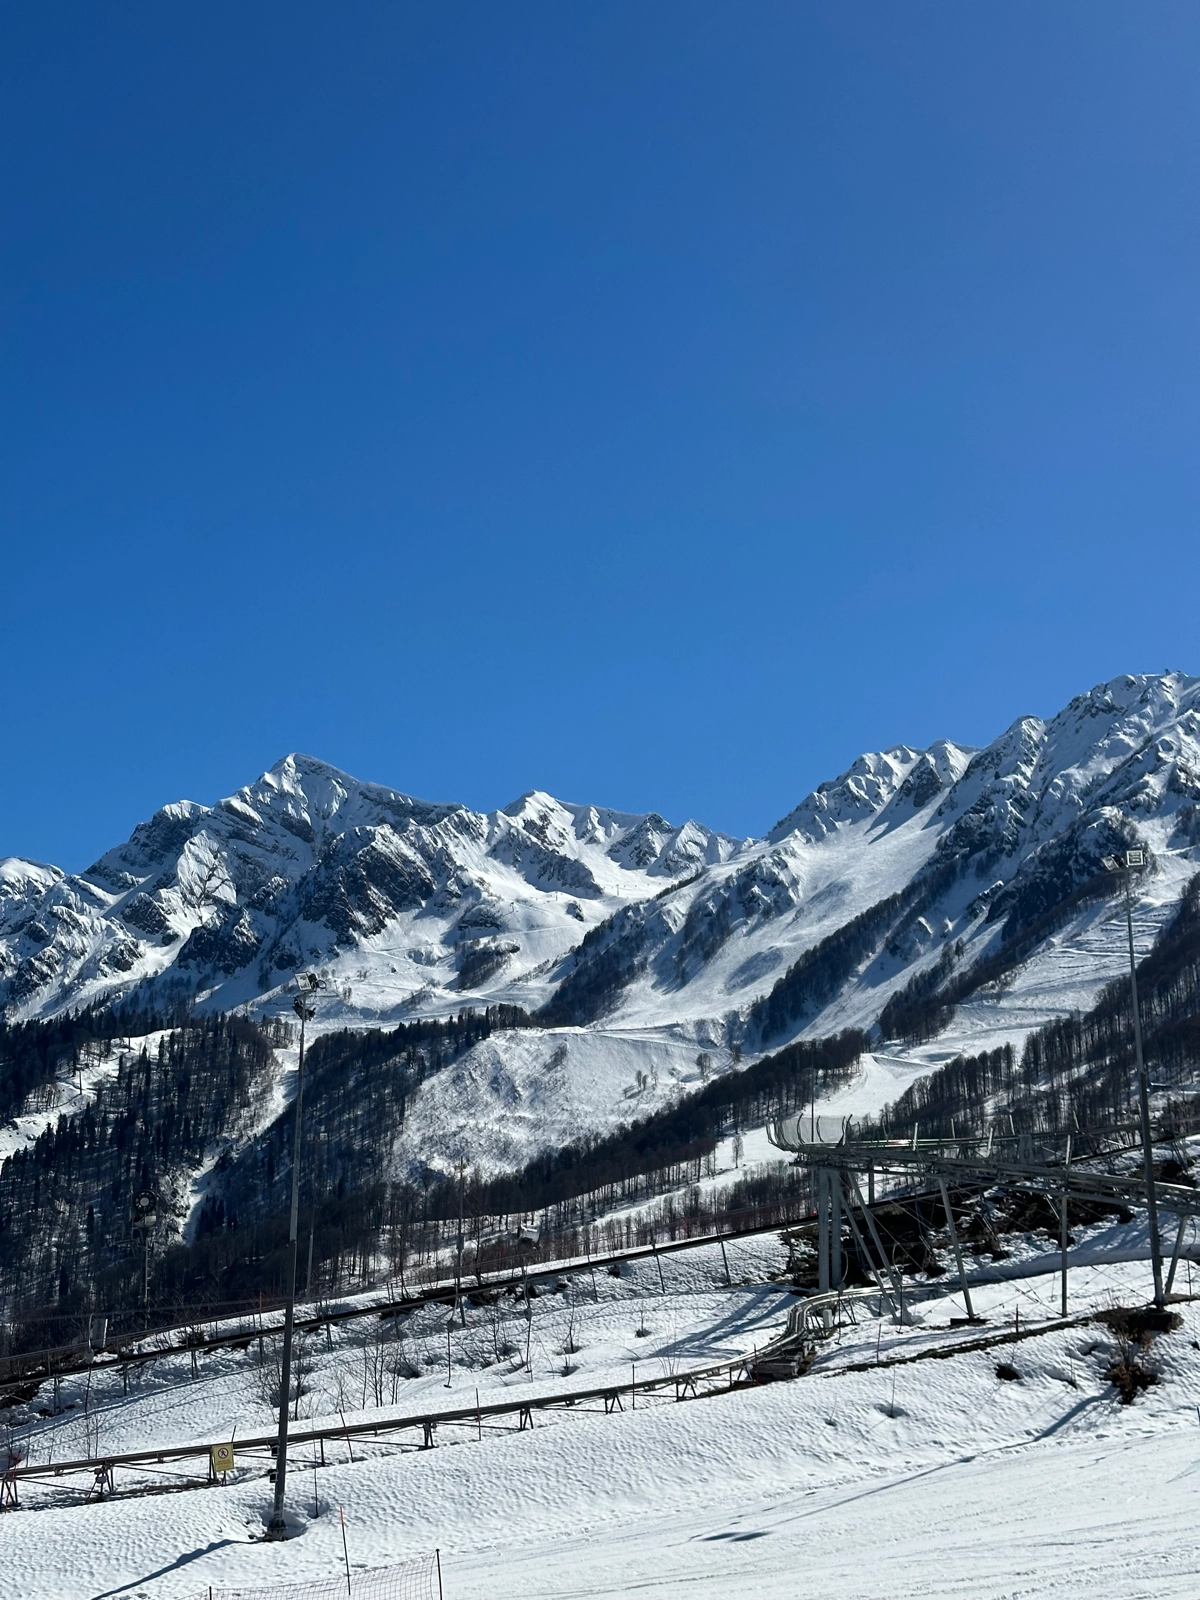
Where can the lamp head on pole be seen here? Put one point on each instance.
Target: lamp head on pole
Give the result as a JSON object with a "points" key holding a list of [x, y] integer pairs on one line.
{"points": [[307, 983], [1131, 859]]}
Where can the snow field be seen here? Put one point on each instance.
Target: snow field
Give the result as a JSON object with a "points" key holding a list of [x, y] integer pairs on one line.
{"points": [[700, 1319], [521, 1092], [931, 1476]]}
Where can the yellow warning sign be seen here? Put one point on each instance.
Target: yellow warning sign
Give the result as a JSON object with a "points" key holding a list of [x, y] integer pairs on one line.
{"points": [[222, 1457]]}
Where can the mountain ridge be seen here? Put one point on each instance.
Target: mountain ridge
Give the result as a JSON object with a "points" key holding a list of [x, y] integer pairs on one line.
{"points": [[910, 861]]}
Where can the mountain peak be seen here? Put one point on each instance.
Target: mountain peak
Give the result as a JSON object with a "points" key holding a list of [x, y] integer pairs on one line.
{"points": [[413, 903], [900, 774]]}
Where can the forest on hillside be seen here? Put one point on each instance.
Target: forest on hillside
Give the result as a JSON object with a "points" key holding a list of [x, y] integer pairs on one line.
{"points": [[182, 1100], [1077, 1071]]}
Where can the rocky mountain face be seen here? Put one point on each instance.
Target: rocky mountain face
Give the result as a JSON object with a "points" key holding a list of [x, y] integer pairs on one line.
{"points": [[308, 867], [917, 873], [891, 892]]}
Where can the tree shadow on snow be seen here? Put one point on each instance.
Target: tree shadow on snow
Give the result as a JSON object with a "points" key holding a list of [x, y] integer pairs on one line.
{"points": [[180, 1561]]}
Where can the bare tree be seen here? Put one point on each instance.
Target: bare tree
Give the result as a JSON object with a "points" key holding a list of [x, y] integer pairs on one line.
{"points": [[269, 1376]]}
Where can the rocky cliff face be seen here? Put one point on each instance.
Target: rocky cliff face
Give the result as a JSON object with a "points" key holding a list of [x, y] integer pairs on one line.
{"points": [[308, 866]]}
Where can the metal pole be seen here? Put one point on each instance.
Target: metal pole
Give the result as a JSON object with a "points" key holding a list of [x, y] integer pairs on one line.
{"points": [[822, 1230], [345, 1549], [277, 1527], [958, 1260], [1063, 1224], [1144, 1096], [1183, 1222], [900, 1275], [889, 1266], [462, 1168], [824, 1242], [528, 1323], [866, 1257], [661, 1281]]}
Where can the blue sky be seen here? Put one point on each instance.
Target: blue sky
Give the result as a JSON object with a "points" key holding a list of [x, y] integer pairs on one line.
{"points": [[656, 404]]}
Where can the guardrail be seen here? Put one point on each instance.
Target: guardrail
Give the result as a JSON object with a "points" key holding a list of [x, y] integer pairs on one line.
{"points": [[685, 1384]]}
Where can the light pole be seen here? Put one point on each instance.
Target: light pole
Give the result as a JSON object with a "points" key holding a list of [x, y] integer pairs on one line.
{"points": [[305, 1010], [1136, 859], [145, 1214], [462, 1168]]}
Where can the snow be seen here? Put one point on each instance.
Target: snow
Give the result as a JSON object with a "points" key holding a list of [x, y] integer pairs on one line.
{"points": [[926, 1477], [518, 1092]]}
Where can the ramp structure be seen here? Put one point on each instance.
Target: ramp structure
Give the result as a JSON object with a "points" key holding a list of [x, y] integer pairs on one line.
{"points": [[1103, 1166]]}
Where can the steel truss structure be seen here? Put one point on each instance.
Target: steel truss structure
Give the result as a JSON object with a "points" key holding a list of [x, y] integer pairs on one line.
{"points": [[1104, 1166]]}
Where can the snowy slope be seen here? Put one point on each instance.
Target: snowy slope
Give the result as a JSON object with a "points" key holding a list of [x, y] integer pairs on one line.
{"points": [[932, 1477]]}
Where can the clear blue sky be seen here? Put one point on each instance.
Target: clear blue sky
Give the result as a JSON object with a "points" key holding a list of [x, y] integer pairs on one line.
{"points": [[653, 403]]}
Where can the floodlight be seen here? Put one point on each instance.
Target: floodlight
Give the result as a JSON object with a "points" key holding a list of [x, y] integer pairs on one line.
{"points": [[1111, 864], [1135, 858]]}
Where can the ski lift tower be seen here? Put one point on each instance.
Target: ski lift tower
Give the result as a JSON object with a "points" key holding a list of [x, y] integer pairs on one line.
{"points": [[1135, 861]]}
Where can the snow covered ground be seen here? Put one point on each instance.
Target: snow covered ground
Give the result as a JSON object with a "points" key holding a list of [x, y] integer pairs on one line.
{"points": [[926, 1477], [1066, 973], [518, 1093]]}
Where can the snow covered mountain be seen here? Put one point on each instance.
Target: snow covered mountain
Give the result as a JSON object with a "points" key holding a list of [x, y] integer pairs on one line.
{"points": [[916, 873], [425, 904]]}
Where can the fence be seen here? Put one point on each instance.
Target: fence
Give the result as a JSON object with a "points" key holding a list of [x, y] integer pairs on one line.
{"points": [[418, 1579]]}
